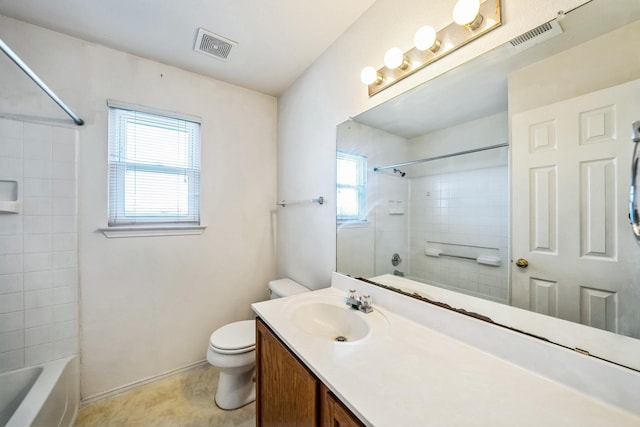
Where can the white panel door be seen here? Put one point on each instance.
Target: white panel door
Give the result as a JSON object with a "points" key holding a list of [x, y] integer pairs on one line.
{"points": [[570, 188]]}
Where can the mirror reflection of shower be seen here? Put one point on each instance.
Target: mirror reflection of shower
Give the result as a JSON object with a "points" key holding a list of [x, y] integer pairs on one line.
{"points": [[399, 172]]}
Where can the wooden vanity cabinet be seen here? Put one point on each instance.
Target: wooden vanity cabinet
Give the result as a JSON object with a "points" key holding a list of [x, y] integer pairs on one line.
{"points": [[333, 413], [288, 393]]}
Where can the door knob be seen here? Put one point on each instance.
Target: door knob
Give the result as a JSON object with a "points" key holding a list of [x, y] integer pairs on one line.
{"points": [[522, 263]]}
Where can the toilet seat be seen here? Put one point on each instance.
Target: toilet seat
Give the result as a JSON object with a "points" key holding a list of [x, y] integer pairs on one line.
{"points": [[234, 338]]}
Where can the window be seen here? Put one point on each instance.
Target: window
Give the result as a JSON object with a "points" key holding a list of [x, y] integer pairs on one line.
{"points": [[154, 167], [351, 187]]}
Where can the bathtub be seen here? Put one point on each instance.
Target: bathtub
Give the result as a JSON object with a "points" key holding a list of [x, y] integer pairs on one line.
{"points": [[46, 395]]}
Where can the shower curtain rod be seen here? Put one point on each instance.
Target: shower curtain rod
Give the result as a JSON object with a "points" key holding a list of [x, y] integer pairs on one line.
{"points": [[429, 159], [24, 67]]}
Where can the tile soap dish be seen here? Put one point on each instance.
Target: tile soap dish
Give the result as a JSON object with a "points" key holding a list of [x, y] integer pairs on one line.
{"points": [[9, 197]]}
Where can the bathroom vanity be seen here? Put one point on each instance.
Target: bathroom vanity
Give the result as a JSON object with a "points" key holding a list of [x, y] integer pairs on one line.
{"points": [[411, 365], [288, 392]]}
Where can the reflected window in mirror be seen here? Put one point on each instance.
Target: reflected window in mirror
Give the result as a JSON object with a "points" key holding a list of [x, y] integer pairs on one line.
{"points": [[351, 178]]}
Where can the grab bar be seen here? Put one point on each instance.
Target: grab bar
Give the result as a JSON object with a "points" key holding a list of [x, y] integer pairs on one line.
{"points": [[24, 67], [283, 203], [482, 259]]}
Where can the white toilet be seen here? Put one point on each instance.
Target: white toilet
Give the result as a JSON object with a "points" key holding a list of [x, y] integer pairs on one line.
{"points": [[232, 348]]}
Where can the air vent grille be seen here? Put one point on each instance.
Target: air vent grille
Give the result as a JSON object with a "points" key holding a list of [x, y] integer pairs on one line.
{"points": [[213, 45], [537, 35]]}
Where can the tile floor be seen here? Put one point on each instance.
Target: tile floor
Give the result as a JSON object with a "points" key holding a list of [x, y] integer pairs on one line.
{"points": [[182, 400]]}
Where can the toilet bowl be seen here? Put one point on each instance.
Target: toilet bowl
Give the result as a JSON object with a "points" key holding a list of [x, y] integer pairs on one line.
{"points": [[232, 349]]}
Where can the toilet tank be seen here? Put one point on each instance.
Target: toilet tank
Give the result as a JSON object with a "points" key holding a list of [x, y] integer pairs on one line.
{"points": [[285, 287]]}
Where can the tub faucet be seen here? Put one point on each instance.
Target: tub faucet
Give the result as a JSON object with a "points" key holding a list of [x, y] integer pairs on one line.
{"points": [[362, 303]]}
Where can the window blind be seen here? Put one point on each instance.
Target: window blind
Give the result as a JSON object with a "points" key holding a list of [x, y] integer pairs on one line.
{"points": [[154, 168]]}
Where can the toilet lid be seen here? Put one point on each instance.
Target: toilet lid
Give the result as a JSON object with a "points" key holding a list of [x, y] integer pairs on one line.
{"points": [[235, 337]]}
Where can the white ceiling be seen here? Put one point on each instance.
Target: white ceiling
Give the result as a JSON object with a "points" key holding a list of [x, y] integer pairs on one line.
{"points": [[277, 40]]}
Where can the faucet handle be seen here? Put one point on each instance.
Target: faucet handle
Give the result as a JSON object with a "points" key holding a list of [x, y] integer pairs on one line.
{"points": [[365, 301], [351, 299]]}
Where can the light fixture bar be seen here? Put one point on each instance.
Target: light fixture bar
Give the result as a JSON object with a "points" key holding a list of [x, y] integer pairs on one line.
{"points": [[451, 37]]}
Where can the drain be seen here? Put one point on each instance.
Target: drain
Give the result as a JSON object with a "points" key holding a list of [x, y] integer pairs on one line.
{"points": [[340, 338]]}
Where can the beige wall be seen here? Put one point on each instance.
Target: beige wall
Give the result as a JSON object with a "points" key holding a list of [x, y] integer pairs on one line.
{"points": [[330, 91], [148, 305]]}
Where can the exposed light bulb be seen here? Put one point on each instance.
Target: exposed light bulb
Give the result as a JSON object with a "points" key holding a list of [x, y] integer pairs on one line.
{"points": [[426, 38], [370, 75], [467, 13], [394, 58]]}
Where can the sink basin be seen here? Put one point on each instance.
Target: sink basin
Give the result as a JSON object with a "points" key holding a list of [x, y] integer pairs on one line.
{"points": [[331, 322]]}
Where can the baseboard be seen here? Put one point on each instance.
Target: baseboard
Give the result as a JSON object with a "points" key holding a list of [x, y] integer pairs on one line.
{"points": [[119, 390]]}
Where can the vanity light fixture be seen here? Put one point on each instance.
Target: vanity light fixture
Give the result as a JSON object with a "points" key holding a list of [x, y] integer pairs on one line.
{"points": [[370, 76], [394, 58], [472, 19], [467, 13], [427, 38]]}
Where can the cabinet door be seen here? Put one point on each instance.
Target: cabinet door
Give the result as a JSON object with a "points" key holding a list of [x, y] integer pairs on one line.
{"points": [[334, 413], [287, 393]]}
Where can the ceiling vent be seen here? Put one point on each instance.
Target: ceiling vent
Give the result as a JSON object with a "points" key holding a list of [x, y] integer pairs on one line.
{"points": [[213, 45], [537, 35]]}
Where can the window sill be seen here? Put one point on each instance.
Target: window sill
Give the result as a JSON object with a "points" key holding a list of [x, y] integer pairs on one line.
{"points": [[151, 230], [353, 224]]}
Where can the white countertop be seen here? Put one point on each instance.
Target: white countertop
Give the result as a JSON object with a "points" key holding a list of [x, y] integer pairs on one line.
{"points": [[407, 374]]}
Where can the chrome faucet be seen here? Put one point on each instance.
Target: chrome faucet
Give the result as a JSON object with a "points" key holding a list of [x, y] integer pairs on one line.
{"points": [[362, 303]]}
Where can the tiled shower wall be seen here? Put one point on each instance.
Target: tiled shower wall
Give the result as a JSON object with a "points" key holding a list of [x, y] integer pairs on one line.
{"points": [[38, 246], [464, 213]]}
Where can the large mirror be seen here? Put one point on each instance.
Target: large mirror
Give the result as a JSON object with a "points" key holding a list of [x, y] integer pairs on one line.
{"points": [[507, 179]]}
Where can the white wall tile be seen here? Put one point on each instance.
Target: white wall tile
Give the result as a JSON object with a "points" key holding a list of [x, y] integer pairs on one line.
{"points": [[37, 168], [36, 132], [11, 245], [63, 135], [10, 283], [11, 147], [65, 242], [10, 263], [38, 322], [64, 188], [65, 295], [38, 243], [38, 317], [38, 261], [38, 280], [65, 312], [38, 299], [11, 224], [64, 348], [37, 224], [39, 335], [38, 354], [11, 128], [65, 260], [64, 330], [64, 153], [12, 341], [65, 206], [11, 322], [65, 277], [64, 224], [10, 168], [63, 170], [36, 187], [10, 303], [37, 206], [11, 360], [37, 149]]}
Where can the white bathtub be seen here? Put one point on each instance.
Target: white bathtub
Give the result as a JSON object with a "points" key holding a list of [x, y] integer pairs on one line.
{"points": [[46, 395]]}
